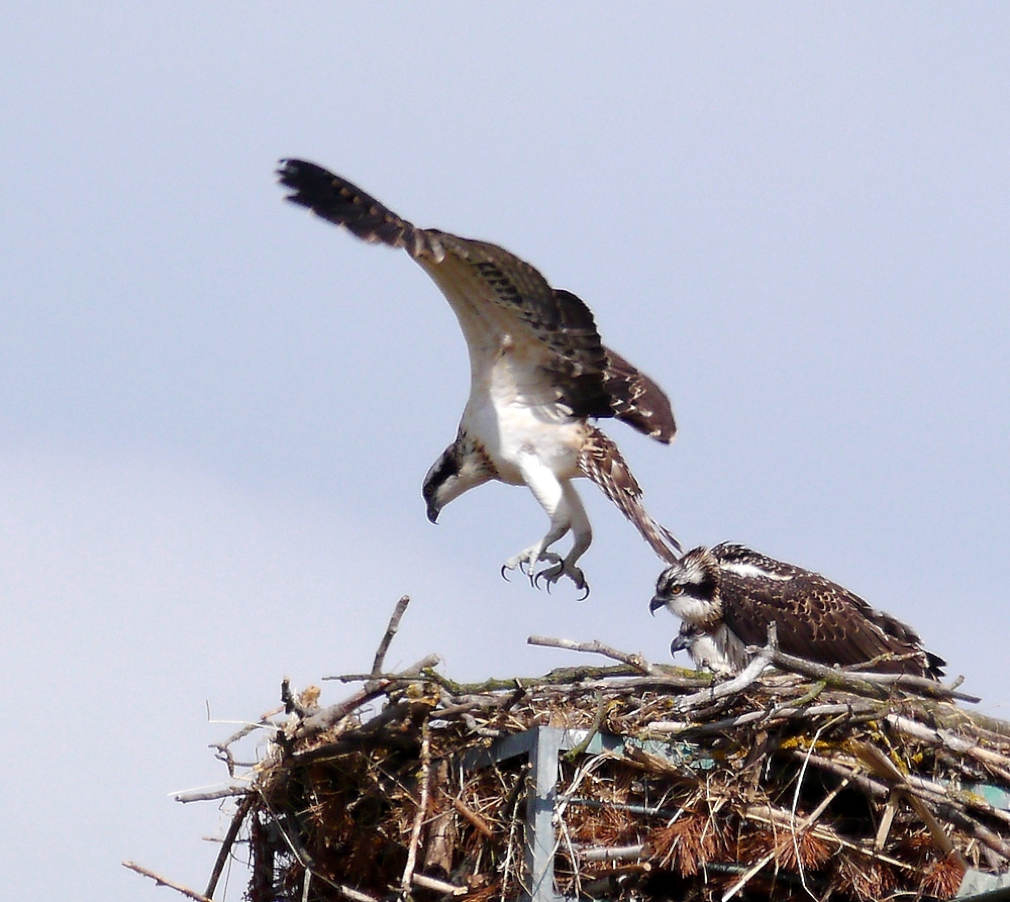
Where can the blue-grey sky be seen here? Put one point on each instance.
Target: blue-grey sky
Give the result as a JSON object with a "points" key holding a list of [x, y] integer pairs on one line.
{"points": [[217, 410]]}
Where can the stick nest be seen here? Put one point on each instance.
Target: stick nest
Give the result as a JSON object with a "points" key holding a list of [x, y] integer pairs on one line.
{"points": [[772, 785]]}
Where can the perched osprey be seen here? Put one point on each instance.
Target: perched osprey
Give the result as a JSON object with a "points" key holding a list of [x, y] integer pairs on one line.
{"points": [[538, 374], [702, 647], [730, 594]]}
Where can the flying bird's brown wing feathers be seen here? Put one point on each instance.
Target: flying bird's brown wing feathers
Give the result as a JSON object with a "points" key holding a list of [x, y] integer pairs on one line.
{"points": [[338, 201], [601, 461], [820, 621], [637, 400], [558, 326]]}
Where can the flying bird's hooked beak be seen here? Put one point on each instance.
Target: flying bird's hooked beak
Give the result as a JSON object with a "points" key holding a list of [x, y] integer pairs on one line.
{"points": [[656, 603], [433, 510]]}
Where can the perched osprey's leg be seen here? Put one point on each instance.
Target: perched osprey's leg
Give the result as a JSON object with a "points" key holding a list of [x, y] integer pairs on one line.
{"points": [[556, 501], [582, 535]]}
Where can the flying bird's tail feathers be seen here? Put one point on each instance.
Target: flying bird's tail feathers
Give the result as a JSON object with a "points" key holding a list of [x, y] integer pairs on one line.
{"points": [[601, 461], [339, 201], [637, 400]]}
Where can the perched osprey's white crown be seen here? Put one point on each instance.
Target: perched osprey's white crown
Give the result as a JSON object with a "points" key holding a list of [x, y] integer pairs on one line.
{"points": [[539, 374], [732, 594]]}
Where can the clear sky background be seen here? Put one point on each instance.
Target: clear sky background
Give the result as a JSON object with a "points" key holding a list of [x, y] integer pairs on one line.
{"points": [[216, 411]]}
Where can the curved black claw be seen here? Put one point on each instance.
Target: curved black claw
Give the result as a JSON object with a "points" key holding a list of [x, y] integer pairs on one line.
{"points": [[504, 573]]}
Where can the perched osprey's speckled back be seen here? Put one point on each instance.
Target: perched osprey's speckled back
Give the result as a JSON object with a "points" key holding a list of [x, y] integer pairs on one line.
{"points": [[730, 594], [538, 373]]}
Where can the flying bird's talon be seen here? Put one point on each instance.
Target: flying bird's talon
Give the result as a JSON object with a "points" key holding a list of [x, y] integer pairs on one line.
{"points": [[553, 574], [504, 573]]}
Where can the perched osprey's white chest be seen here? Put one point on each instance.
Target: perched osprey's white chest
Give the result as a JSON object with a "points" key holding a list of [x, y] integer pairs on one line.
{"points": [[696, 611]]}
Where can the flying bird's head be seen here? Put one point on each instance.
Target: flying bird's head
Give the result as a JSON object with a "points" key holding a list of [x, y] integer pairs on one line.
{"points": [[459, 468], [690, 588]]}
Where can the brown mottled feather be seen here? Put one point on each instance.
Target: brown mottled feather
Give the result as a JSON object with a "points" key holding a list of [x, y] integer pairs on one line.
{"points": [[637, 400], [558, 320], [591, 380], [817, 618], [601, 462]]}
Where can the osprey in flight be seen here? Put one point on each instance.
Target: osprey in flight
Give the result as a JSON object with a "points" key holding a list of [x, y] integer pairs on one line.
{"points": [[727, 597], [538, 375]]}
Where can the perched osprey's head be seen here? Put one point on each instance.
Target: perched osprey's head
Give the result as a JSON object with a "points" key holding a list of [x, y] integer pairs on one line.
{"points": [[685, 638], [702, 647], [690, 589], [459, 468]]}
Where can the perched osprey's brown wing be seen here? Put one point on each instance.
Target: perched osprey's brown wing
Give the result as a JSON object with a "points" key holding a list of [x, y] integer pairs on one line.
{"points": [[637, 400], [747, 562], [492, 291], [601, 461], [820, 621]]}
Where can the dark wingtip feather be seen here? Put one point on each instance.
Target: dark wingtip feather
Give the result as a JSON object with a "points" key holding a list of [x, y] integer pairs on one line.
{"points": [[343, 203]]}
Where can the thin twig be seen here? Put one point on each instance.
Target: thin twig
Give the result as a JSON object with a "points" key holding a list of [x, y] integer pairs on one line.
{"points": [[212, 795], [439, 886], [229, 839], [422, 809], [478, 823], [394, 625], [612, 853], [741, 681], [329, 717], [350, 893], [164, 881], [882, 766], [871, 684]]}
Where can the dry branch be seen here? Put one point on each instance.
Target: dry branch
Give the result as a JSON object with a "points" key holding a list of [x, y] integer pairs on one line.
{"points": [[164, 881], [598, 648], [394, 625]]}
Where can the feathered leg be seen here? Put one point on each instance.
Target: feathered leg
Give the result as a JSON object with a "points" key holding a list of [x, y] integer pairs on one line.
{"points": [[557, 502], [582, 535]]}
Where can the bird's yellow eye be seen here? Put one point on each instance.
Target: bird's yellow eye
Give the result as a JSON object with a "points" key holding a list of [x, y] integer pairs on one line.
{"points": [[676, 590]]}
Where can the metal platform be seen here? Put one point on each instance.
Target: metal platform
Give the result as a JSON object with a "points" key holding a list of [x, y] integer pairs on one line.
{"points": [[543, 747]]}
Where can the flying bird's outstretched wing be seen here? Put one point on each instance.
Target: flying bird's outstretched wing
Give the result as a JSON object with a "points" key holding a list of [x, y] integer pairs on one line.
{"points": [[492, 290]]}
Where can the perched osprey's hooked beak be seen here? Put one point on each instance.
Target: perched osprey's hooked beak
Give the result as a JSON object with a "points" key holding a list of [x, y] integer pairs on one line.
{"points": [[656, 604], [681, 642]]}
